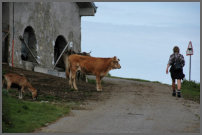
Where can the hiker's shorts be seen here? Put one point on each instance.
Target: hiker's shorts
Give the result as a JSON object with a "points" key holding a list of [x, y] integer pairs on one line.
{"points": [[177, 74]]}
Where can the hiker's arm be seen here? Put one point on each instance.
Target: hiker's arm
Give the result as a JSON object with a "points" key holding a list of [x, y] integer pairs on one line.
{"points": [[169, 63], [167, 68]]}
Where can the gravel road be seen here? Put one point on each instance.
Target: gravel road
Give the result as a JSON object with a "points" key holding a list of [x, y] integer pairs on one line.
{"points": [[133, 107]]}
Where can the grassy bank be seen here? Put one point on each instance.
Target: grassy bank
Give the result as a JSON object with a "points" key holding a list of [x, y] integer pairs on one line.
{"points": [[191, 90], [133, 79], [19, 116]]}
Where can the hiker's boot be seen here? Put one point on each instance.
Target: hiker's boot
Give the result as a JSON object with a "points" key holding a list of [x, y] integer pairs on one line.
{"points": [[178, 93], [174, 93]]}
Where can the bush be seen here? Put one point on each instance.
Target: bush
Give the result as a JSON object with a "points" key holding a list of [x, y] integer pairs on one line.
{"points": [[191, 90], [108, 75], [191, 84]]}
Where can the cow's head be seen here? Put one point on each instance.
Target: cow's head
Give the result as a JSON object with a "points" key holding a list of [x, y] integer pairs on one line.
{"points": [[86, 54], [115, 63]]}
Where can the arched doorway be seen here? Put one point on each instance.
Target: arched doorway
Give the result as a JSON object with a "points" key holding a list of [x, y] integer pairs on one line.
{"points": [[30, 39], [60, 44]]}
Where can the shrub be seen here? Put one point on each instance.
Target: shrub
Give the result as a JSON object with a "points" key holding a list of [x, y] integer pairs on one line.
{"points": [[191, 90]]}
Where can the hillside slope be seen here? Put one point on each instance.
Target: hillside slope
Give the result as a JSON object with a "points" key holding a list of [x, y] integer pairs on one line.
{"points": [[133, 107], [53, 88]]}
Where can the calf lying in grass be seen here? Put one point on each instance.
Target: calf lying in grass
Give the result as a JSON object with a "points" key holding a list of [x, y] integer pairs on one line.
{"points": [[20, 80]]}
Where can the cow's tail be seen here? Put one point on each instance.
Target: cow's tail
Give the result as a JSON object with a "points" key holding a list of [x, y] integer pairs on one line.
{"points": [[67, 65]]}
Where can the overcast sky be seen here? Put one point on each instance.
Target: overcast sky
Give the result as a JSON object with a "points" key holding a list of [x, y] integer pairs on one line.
{"points": [[142, 35]]}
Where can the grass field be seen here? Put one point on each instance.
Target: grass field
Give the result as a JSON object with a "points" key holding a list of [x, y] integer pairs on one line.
{"points": [[191, 90], [20, 116]]}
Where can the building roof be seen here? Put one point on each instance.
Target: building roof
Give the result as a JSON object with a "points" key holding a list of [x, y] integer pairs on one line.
{"points": [[87, 5]]}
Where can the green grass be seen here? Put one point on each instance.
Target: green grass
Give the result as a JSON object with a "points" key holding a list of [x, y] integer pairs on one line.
{"points": [[191, 90], [134, 79], [47, 97], [141, 80], [20, 116], [92, 81]]}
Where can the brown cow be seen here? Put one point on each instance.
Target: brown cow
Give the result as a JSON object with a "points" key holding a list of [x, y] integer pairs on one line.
{"points": [[90, 65]]}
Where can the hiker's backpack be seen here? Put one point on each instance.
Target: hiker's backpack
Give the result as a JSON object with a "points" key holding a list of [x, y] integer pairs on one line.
{"points": [[177, 64]]}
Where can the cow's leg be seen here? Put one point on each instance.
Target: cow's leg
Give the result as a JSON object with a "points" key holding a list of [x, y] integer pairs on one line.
{"points": [[8, 85], [23, 89], [20, 92], [101, 81], [67, 73], [19, 96], [86, 78], [78, 74], [98, 85], [70, 79], [67, 65], [74, 79]]}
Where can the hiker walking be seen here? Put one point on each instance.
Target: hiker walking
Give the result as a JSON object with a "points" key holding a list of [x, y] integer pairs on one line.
{"points": [[176, 61]]}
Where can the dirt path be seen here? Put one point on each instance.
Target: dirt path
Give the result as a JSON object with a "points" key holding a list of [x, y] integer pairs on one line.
{"points": [[133, 107]]}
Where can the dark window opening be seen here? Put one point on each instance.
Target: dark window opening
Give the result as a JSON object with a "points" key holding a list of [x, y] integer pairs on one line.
{"points": [[60, 44], [30, 39]]}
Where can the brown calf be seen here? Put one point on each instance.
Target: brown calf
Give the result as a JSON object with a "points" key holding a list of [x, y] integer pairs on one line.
{"points": [[13, 78]]}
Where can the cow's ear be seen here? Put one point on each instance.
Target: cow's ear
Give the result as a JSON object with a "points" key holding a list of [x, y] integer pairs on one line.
{"points": [[114, 57]]}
